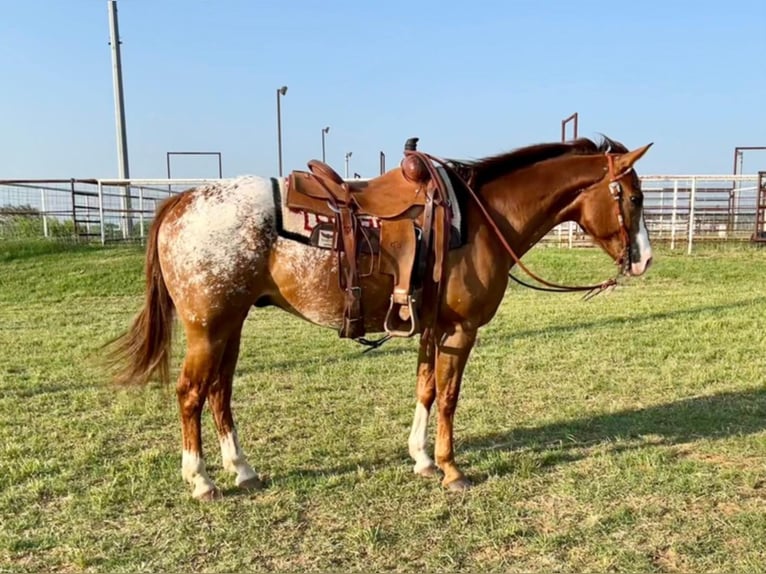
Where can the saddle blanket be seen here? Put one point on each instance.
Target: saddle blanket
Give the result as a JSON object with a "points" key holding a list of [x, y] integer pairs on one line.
{"points": [[317, 230]]}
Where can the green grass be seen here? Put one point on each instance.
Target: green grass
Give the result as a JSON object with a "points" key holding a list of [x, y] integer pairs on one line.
{"points": [[624, 434]]}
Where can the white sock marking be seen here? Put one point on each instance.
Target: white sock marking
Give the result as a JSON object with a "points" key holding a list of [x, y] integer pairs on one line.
{"points": [[418, 439], [193, 472], [234, 458]]}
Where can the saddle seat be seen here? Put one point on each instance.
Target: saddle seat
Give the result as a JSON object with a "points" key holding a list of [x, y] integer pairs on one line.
{"points": [[411, 205], [388, 196]]}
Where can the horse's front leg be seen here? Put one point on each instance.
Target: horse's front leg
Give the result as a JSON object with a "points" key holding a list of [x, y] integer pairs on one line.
{"points": [[452, 351], [426, 392]]}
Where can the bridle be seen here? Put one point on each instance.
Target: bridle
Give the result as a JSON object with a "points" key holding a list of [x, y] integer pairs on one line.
{"points": [[615, 188], [465, 175]]}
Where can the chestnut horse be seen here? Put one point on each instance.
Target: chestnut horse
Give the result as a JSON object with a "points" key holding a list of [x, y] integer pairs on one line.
{"points": [[213, 253]]}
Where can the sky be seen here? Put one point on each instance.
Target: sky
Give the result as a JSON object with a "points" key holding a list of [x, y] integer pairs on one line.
{"points": [[469, 78]]}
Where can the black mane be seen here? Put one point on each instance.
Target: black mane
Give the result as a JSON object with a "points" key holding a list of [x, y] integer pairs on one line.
{"points": [[495, 166]]}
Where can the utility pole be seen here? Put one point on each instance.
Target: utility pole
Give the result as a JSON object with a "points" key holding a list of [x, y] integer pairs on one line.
{"points": [[119, 113]]}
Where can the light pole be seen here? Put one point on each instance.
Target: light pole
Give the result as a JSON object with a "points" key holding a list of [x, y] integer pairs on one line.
{"points": [[348, 155], [325, 130], [280, 92]]}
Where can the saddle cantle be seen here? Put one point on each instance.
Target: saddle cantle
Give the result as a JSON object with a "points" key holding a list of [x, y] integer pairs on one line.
{"points": [[412, 206]]}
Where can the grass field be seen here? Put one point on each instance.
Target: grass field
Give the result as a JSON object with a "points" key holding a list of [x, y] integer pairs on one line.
{"points": [[623, 434]]}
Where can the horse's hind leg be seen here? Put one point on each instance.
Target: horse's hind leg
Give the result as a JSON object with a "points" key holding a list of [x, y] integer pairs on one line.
{"points": [[220, 403], [426, 392], [200, 368]]}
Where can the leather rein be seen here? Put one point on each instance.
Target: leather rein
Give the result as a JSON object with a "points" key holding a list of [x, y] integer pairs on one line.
{"points": [[615, 188]]}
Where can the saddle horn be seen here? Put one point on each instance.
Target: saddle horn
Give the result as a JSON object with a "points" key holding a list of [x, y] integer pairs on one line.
{"points": [[411, 144]]}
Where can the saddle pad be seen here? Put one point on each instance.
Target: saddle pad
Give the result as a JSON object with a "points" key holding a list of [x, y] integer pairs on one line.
{"points": [[313, 229], [305, 226]]}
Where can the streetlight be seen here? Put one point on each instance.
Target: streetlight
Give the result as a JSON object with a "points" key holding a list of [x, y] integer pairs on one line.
{"points": [[324, 131], [280, 92], [348, 155]]}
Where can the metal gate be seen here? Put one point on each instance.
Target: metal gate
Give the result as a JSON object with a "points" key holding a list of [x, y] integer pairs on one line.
{"points": [[85, 212], [760, 209]]}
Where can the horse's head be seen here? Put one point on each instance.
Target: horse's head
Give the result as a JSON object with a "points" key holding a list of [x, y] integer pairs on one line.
{"points": [[611, 212]]}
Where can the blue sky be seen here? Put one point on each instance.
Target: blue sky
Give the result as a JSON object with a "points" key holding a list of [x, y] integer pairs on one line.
{"points": [[469, 78]]}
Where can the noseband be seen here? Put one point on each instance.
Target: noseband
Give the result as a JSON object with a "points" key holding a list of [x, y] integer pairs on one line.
{"points": [[615, 188]]}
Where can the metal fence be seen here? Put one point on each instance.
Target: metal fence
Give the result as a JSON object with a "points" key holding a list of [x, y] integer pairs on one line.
{"points": [[680, 209], [84, 210]]}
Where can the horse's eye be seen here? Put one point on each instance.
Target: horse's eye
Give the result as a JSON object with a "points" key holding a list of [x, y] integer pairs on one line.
{"points": [[636, 200]]}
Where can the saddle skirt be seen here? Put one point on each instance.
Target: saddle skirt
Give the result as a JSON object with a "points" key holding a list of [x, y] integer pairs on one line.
{"points": [[404, 218], [317, 230]]}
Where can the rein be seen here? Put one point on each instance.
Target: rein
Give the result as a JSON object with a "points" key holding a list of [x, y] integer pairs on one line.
{"points": [[591, 290]]}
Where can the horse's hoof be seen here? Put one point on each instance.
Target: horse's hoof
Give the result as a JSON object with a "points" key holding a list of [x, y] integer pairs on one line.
{"points": [[458, 485], [253, 483], [427, 471], [209, 495]]}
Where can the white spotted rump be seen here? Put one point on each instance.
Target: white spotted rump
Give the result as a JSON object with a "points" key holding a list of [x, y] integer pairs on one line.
{"points": [[226, 228]]}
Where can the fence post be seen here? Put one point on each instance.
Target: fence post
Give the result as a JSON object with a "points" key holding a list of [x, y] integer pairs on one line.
{"points": [[674, 215], [43, 210], [735, 206], [692, 196], [571, 234], [74, 212], [101, 212], [127, 222], [141, 211]]}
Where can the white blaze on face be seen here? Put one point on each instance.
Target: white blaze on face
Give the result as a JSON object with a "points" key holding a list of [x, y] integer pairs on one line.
{"points": [[641, 244]]}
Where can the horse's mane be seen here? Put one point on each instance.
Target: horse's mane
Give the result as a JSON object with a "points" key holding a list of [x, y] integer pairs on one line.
{"points": [[491, 167]]}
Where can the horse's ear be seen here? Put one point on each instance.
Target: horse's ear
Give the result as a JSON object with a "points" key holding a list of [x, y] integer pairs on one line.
{"points": [[626, 160]]}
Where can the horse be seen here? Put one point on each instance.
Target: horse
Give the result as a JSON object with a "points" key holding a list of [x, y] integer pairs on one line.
{"points": [[214, 252]]}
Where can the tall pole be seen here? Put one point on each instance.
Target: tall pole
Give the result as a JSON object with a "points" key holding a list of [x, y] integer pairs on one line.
{"points": [[119, 100], [325, 130], [280, 92], [348, 155], [119, 113], [382, 163]]}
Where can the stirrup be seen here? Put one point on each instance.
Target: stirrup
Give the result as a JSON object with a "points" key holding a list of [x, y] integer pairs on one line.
{"points": [[395, 310]]}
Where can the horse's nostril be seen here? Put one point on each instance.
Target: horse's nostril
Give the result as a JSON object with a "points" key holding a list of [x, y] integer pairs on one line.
{"points": [[648, 263]]}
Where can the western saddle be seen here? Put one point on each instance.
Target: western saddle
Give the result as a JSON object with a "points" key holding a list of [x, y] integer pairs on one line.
{"points": [[412, 205]]}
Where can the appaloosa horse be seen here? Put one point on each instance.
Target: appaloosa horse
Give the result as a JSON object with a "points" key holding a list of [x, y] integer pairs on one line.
{"points": [[214, 253]]}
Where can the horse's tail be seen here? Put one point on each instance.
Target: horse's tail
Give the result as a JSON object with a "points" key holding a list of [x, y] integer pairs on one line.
{"points": [[146, 347]]}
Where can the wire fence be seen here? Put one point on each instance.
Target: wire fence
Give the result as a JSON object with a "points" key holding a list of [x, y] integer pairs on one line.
{"points": [[679, 209], [83, 210]]}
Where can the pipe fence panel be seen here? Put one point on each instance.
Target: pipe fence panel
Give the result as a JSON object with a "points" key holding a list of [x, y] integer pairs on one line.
{"points": [[679, 209], [83, 210]]}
